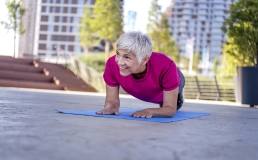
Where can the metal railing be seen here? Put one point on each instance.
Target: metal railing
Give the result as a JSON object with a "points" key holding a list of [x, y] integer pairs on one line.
{"points": [[88, 74], [217, 87]]}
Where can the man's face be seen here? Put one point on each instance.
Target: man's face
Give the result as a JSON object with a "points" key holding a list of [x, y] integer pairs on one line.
{"points": [[128, 63]]}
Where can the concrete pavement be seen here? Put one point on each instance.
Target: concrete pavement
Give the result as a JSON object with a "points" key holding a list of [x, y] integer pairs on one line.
{"points": [[30, 129]]}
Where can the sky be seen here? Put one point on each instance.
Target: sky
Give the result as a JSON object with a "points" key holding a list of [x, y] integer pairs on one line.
{"points": [[139, 6]]}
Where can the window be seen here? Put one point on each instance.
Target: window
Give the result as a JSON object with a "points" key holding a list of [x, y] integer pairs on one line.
{"points": [[76, 19], [42, 37], [216, 30], [218, 5], [42, 46], [44, 18], [186, 16], [81, 2], [43, 9], [75, 29], [50, 28], [202, 11], [80, 10], [43, 27], [56, 19], [202, 17], [57, 9], [70, 48], [188, 5], [56, 28], [65, 10], [74, 10], [202, 5], [53, 9], [63, 28], [218, 11], [64, 19]]}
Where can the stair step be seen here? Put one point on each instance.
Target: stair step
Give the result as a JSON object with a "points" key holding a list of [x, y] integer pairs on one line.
{"points": [[20, 67], [27, 73], [89, 89], [25, 76], [16, 60], [28, 84]]}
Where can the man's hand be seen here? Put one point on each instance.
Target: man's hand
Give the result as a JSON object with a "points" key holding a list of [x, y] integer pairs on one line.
{"points": [[108, 111], [146, 113]]}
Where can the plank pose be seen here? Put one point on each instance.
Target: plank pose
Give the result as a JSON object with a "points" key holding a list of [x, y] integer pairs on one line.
{"points": [[146, 75]]}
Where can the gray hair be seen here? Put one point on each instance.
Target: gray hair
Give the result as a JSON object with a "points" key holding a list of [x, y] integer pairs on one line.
{"points": [[136, 42]]}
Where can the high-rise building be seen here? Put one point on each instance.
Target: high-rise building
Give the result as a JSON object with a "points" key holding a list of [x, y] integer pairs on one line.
{"points": [[52, 24], [200, 20]]}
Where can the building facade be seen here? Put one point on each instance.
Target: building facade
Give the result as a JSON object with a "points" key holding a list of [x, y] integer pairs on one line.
{"points": [[52, 24], [200, 20]]}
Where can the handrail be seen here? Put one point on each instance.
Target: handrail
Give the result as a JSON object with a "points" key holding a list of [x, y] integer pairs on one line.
{"points": [[88, 74]]}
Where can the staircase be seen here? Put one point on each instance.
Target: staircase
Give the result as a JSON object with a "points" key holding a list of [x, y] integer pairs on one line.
{"points": [[28, 73]]}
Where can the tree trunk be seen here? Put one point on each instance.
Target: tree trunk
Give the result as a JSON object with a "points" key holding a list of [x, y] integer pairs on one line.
{"points": [[14, 45], [107, 50]]}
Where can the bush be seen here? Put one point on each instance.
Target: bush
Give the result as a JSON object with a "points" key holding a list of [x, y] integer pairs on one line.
{"points": [[94, 60]]}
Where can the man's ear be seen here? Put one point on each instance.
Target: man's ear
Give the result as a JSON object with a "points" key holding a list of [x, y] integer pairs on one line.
{"points": [[145, 60]]}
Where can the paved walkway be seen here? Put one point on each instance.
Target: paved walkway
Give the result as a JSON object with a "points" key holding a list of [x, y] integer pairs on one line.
{"points": [[30, 129]]}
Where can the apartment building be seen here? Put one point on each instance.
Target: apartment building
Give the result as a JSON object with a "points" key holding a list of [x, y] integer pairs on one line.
{"points": [[52, 24], [200, 20]]}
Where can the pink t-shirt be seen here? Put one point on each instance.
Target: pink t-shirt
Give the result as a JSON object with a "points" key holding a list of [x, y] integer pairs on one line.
{"points": [[162, 74]]}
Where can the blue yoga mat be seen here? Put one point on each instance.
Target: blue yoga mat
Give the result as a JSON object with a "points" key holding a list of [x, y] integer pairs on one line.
{"points": [[124, 113]]}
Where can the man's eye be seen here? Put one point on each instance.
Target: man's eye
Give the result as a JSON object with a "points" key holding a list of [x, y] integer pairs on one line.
{"points": [[127, 57]]}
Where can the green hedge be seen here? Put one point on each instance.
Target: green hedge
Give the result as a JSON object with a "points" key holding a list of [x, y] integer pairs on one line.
{"points": [[94, 60]]}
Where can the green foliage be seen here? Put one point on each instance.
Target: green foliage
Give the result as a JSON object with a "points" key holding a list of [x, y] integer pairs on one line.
{"points": [[216, 65], [158, 29], [108, 21], [87, 33], [196, 62], [15, 15], [96, 61], [242, 28], [185, 62], [232, 58]]}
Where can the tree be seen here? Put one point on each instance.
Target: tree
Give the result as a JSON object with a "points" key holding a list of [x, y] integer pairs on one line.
{"points": [[196, 62], [158, 29], [108, 21], [232, 58], [216, 65], [15, 15], [242, 28], [86, 34]]}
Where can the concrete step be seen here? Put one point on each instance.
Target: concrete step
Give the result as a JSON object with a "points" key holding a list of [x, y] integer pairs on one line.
{"points": [[16, 60], [14, 75], [20, 67], [28, 73], [30, 84]]}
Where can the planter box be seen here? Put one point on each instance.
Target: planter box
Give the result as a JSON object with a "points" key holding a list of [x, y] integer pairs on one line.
{"points": [[247, 78]]}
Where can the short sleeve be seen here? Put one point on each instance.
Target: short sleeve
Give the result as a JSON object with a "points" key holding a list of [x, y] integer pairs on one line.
{"points": [[109, 74], [171, 78]]}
